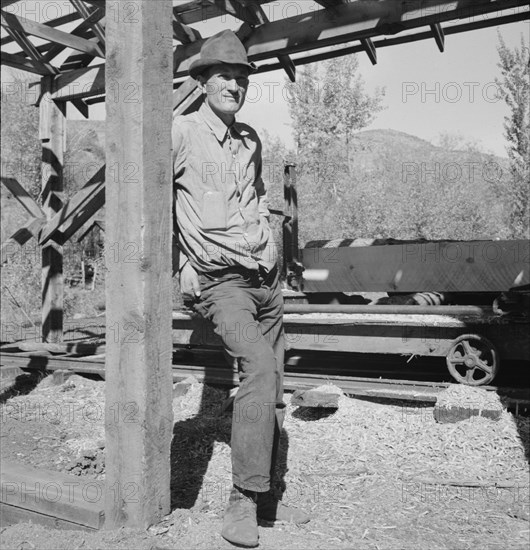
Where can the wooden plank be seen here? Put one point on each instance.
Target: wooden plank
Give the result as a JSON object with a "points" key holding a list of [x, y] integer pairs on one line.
{"points": [[90, 81], [96, 27], [437, 266], [52, 135], [345, 23], [138, 259], [49, 33], [405, 39], [63, 20], [370, 50], [89, 192], [23, 63], [54, 494], [30, 50], [78, 348], [86, 82], [21, 236], [81, 216], [11, 515], [23, 197], [80, 30], [184, 33], [438, 34]]}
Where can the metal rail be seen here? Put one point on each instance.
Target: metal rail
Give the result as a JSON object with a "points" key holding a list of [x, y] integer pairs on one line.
{"points": [[386, 309], [221, 374]]}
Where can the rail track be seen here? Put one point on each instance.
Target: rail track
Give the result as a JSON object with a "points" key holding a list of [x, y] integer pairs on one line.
{"points": [[302, 372]]}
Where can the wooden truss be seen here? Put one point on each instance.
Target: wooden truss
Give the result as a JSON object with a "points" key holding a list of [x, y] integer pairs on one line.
{"points": [[151, 43]]}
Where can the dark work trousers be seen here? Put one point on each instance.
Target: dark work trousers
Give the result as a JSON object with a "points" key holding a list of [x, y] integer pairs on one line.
{"points": [[246, 309]]}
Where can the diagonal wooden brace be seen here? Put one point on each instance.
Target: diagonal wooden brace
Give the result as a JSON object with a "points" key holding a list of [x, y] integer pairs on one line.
{"points": [[23, 197], [20, 237], [74, 206]]}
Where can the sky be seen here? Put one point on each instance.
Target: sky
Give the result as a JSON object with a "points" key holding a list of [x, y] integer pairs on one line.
{"points": [[427, 92]]}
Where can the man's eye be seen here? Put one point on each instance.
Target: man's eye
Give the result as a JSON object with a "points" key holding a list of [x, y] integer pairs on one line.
{"points": [[243, 82]]}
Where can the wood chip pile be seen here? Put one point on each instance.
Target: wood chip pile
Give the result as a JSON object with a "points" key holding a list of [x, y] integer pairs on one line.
{"points": [[370, 464]]}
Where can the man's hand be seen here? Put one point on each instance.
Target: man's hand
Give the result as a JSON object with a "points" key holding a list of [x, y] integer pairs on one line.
{"points": [[189, 283]]}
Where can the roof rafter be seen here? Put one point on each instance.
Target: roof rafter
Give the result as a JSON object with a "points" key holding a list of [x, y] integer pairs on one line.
{"points": [[39, 30], [92, 22]]}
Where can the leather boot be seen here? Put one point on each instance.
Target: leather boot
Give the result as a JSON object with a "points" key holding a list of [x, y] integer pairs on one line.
{"points": [[240, 526], [270, 508]]}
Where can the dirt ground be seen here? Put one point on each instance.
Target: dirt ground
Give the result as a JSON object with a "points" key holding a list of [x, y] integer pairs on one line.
{"points": [[372, 475]]}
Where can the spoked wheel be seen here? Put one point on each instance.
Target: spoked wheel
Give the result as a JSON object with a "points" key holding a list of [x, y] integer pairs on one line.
{"points": [[473, 360]]}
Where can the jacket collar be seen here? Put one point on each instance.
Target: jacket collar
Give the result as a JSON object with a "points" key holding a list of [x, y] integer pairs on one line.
{"points": [[216, 125]]}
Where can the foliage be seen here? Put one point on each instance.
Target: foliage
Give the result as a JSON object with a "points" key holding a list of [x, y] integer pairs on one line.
{"points": [[382, 183], [21, 149], [21, 159], [514, 87]]}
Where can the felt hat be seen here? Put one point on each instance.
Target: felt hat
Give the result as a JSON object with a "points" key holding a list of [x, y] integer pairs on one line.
{"points": [[224, 47]]}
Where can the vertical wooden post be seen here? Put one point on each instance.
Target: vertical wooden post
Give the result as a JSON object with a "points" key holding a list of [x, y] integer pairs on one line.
{"points": [[138, 409], [52, 134]]}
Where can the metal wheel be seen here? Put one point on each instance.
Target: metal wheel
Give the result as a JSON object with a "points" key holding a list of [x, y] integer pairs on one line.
{"points": [[473, 360]]}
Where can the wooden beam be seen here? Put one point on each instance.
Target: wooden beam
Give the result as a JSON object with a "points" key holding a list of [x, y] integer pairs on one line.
{"points": [[23, 63], [80, 30], [63, 20], [22, 196], [83, 215], [331, 4], [29, 49], [406, 39], [46, 495], [346, 23], [369, 48], [86, 82], [183, 33], [260, 18], [431, 266], [52, 135], [88, 16], [319, 29], [81, 106], [438, 34], [21, 236], [74, 205], [138, 388], [33, 28]]}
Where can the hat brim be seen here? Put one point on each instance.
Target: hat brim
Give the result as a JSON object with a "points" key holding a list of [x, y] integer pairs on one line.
{"points": [[200, 65]]}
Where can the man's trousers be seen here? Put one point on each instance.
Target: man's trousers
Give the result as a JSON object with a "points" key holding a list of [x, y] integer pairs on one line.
{"points": [[246, 309]]}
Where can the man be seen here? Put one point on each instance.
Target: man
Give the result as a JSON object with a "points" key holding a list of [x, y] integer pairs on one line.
{"points": [[227, 264]]}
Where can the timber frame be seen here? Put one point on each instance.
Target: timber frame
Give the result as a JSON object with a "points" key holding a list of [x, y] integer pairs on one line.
{"points": [[149, 45]]}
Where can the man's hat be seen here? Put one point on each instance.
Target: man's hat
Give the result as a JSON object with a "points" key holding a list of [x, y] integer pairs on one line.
{"points": [[224, 47]]}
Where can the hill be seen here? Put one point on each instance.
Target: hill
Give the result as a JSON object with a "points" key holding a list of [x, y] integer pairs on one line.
{"points": [[389, 184]]}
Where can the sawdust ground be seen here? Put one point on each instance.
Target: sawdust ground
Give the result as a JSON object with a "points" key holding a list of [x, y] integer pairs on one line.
{"points": [[372, 475]]}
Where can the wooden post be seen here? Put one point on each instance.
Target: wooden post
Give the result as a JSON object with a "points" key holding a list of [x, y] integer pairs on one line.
{"points": [[138, 409], [52, 135]]}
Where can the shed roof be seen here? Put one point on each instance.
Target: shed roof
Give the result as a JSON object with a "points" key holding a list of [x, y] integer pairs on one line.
{"points": [[67, 39]]}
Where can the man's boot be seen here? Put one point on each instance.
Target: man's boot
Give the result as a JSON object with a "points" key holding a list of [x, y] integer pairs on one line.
{"points": [[240, 526], [270, 508]]}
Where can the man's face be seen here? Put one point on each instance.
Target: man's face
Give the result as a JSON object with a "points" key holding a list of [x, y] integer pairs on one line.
{"points": [[225, 87]]}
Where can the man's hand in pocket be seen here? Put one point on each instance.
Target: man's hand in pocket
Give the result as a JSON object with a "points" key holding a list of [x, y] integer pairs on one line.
{"points": [[189, 283]]}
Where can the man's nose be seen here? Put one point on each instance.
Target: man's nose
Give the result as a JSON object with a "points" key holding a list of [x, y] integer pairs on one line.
{"points": [[231, 85]]}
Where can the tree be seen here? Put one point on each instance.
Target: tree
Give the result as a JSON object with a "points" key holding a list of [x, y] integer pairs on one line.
{"points": [[514, 87], [21, 148], [328, 105]]}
